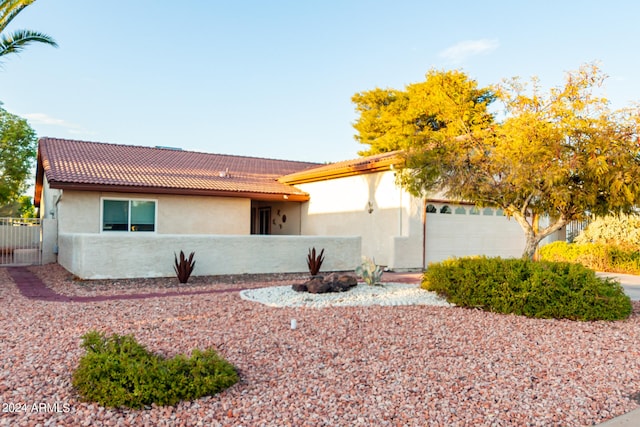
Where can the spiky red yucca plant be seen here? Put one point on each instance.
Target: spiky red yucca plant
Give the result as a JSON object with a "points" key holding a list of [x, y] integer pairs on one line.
{"points": [[314, 262], [184, 267]]}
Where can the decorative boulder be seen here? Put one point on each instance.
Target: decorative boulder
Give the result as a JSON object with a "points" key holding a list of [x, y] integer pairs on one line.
{"points": [[341, 282], [318, 286], [299, 287], [334, 282]]}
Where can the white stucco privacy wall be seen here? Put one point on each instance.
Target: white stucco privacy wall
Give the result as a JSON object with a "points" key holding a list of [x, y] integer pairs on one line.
{"points": [[99, 256], [49, 240], [372, 206]]}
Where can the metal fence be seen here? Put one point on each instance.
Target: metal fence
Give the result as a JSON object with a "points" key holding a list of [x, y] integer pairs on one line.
{"points": [[20, 241], [574, 228]]}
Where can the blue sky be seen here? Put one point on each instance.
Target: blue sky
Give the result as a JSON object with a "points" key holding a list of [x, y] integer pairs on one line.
{"points": [[275, 78]]}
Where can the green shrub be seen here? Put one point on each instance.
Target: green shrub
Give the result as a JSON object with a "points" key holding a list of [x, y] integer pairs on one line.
{"points": [[533, 289], [117, 371], [596, 256]]}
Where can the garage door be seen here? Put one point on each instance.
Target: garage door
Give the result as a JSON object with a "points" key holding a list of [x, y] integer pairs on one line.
{"points": [[463, 230]]}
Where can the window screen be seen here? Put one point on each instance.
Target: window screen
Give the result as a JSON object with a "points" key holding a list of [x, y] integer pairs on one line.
{"points": [[143, 215], [115, 215]]}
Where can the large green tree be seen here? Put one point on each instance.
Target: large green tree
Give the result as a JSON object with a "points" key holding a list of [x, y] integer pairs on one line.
{"points": [[21, 208], [564, 155], [17, 40], [447, 104], [17, 152]]}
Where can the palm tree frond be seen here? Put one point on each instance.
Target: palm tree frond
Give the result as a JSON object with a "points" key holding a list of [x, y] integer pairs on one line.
{"points": [[9, 9], [18, 40]]}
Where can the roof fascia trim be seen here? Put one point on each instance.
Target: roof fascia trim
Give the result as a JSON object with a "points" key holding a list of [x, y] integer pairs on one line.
{"points": [[179, 191], [314, 175]]}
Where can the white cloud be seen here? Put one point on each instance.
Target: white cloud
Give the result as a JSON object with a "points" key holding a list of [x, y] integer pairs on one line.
{"points": [[42, 119], [464, 49]]}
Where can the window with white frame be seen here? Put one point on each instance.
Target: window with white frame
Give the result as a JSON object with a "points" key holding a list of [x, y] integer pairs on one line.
{"points": [[128, 215]]}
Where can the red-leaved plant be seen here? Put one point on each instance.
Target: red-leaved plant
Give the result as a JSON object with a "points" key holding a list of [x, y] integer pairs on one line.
{"points": [[314, 262], [184, 267]]}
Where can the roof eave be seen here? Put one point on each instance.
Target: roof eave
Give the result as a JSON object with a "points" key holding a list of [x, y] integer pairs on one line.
{"points": [[296, 197], [321, 174], [39, 180]]}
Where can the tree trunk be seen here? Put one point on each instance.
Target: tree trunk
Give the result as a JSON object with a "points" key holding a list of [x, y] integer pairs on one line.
{"points": [[530, 246], [533, 235]]}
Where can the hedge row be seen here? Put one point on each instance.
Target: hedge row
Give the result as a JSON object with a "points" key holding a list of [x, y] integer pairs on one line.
{"points": [[597, 256], [529, 288]]}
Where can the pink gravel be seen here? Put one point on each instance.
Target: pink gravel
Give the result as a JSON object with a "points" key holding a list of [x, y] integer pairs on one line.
{"points": [[351, 366]]}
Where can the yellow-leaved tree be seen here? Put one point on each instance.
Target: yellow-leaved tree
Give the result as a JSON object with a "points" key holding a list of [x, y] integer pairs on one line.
{"points": [[564, 155]]}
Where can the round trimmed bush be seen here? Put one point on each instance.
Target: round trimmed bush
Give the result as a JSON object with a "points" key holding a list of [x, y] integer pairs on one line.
{"points": [[116, 371], [538, 289]]}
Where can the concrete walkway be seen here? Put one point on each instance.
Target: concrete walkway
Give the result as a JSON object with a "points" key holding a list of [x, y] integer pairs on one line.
{"points": [[30, 286], [630, 419], [629, 282]]}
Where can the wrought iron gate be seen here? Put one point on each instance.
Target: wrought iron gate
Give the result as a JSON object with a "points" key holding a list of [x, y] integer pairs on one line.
{"points": [[20, 241]]}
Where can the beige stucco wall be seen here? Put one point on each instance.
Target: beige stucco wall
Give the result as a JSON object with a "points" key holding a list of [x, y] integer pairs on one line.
{"points": [[391, 232], [203, 215], [106, 255], [79, 212], [47, 200]]}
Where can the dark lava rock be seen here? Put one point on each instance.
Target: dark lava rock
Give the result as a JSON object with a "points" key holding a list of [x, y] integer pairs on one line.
{"points": [[334, 282], [299, 287], [318, 286]]}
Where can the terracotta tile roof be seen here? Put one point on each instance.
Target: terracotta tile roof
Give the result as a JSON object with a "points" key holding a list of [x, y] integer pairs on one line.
{"points": [[87, 165], [362, 165]]}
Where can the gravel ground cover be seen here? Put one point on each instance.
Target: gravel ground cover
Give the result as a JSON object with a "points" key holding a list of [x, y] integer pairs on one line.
{"points": [[342, 366]]}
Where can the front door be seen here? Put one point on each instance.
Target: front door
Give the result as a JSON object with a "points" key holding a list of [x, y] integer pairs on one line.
{"points": [[261, 220]]}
